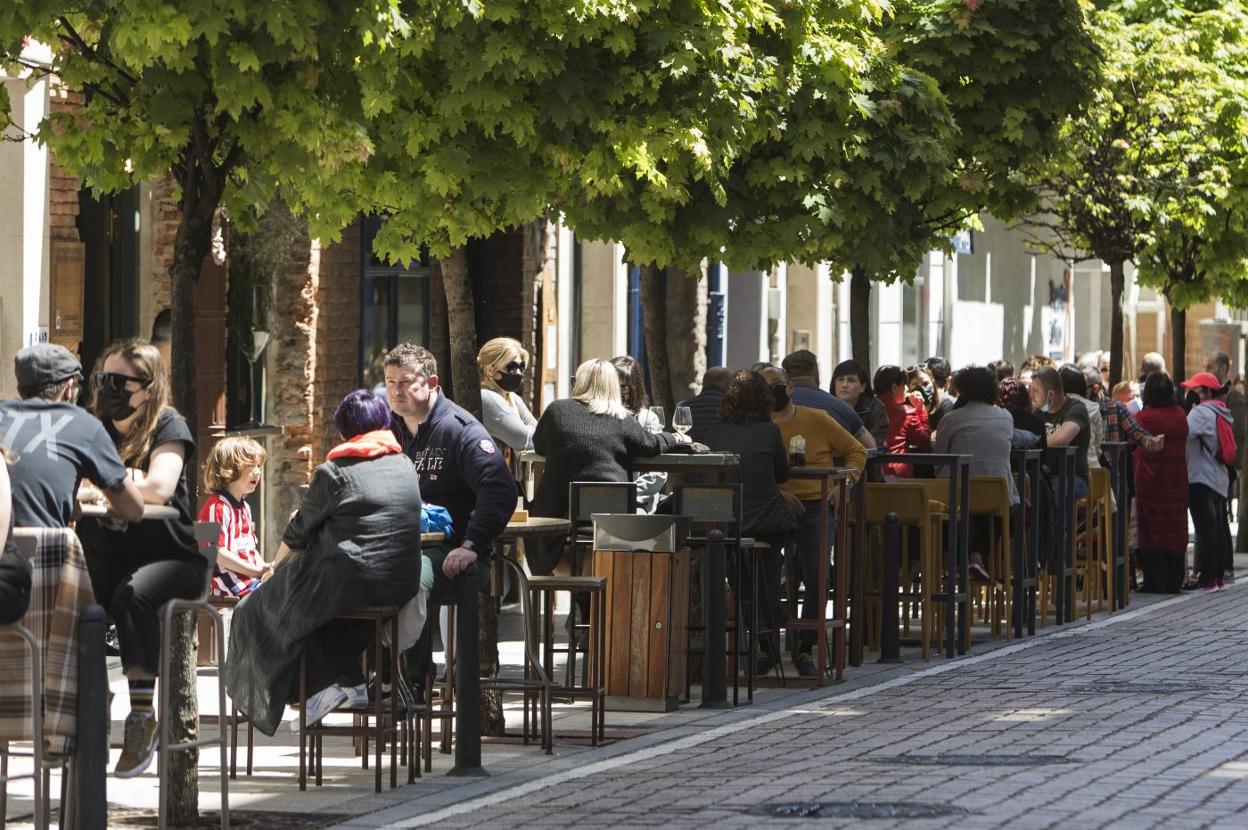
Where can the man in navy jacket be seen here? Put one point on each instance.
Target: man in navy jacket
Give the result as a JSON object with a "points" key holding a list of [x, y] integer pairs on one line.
{"points": [[460, 467]]}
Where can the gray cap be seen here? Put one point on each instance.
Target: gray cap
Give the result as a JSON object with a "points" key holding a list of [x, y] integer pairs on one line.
{"points": [[45, 363]]}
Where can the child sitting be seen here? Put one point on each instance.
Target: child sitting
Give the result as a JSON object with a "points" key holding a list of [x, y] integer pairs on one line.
{"points": [[232, 473]]}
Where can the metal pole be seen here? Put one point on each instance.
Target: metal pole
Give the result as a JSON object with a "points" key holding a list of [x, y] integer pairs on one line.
{"points": [[715, 569], [468, 677], [890, 616], [88, 801]]}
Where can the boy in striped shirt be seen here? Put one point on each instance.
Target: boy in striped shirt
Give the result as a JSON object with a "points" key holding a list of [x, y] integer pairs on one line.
{"points": [[232, 473]]}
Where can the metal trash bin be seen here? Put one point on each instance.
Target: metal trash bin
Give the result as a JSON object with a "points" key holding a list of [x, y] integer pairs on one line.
{"points": [[646, 566]]}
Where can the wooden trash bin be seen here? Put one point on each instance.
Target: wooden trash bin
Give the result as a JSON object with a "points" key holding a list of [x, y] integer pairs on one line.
{"points": [[647, 609]]}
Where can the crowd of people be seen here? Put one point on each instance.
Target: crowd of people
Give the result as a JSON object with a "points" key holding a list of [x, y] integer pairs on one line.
{"points": [[352, 540]]}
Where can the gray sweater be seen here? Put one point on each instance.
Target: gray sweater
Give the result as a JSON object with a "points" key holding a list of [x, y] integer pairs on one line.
{"points": [[502, 422], [1203, 465]]}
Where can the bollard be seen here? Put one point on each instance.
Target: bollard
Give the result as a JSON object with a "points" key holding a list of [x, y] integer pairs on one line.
{"points": [[714, 570], [890, 619], [467, 677], [88, 807]]}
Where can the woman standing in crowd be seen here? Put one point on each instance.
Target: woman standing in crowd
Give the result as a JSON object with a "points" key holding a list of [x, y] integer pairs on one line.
{"points": [[1161, 490], [1207, 477], [501, 364], [351, 543], [852, 384], [908, 430], [590, 436], [136, 568]]}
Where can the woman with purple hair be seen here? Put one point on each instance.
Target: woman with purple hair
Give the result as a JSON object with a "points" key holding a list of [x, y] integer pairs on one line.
{"points": [[354, 541]]}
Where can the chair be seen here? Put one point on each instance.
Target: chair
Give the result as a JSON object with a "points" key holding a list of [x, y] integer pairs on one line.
{"points": [[222, 604], [915, 509], [27, 546], [386, 725], [719, 506], [206, 534], [1094, 539], [536, 684], [593, 683]]}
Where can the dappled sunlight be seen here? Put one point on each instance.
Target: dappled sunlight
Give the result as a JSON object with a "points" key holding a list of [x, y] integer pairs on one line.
{"points": [[1231, 769], [1029, 715]]}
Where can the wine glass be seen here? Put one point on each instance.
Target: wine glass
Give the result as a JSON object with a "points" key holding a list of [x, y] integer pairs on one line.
{"points": [[682, 421], [659, 419]]}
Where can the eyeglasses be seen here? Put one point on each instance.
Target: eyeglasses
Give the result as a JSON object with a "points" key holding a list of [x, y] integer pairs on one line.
{"points": [[116, 382], [514, 366]]}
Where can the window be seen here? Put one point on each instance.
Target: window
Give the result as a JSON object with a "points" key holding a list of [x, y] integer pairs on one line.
{"points": [[394, 305]]}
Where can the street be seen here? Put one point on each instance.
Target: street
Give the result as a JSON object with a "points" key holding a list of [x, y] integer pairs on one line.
{"points": [[1132, 721]]}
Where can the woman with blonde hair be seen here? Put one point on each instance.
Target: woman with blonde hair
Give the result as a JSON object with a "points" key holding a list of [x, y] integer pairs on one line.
{"points": [[501, 364], [590, 436], [137, 567]]}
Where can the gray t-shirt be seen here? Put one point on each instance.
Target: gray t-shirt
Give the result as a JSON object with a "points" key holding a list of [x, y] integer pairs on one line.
{"points": [[56, 445]]}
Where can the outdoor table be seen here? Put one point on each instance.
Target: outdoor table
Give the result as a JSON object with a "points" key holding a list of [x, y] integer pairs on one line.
{"points": [[1118, 454], [1063, 460], [1028, 468], [957, 539], [721, 467], [827, 476]]}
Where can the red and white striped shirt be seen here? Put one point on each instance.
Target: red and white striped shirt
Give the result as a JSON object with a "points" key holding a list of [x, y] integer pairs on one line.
{"points": [[238, 536]]}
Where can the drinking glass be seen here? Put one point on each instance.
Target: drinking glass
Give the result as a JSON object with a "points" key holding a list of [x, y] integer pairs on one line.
{"points": [[659, 420], [682, 421]]}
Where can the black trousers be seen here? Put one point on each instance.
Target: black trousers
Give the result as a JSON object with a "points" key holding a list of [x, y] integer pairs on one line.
{"points": [[1163, 571], [1213, 534], [133, 588], [14, 587]]}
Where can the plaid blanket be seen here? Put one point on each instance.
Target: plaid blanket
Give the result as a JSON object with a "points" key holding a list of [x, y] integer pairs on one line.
{"points": [[61, 590]]}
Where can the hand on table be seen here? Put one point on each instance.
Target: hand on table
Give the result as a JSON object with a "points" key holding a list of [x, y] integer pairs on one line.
{"points": [[458, 561]]}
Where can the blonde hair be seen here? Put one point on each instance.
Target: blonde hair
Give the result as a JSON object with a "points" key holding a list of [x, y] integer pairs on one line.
{"points": [[135, 446], [495, 355], [228, 459], [597, 385]]}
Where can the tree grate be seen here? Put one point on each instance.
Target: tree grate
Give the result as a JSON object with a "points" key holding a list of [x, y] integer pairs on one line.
{"points": [[859, 809], [953, 760], [1129, 688]]}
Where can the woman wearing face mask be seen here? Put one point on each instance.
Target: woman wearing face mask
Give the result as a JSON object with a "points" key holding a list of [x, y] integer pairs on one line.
{"points": [[501, 364], [908, 429], [137, 567]]}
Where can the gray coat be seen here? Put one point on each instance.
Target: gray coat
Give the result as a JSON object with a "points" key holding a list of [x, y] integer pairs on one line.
{"points": [[983, 432], [356, 539]]}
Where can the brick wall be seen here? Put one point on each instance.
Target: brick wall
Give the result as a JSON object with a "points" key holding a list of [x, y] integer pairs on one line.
{"points": [[337, 367], [62, 187], [161, 215]]}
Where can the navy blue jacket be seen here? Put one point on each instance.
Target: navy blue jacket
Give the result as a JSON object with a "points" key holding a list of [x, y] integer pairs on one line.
{"points": [[462, 470]]}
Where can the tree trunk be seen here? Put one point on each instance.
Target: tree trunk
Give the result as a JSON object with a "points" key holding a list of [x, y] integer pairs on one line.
{"points": [[1178, 343], [654, 305], [192, 245], [860, 316], [461, 317], [1117, 283]]}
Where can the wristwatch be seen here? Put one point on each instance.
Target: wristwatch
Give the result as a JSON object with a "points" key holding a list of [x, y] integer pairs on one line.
{"points": [[468, 544]]}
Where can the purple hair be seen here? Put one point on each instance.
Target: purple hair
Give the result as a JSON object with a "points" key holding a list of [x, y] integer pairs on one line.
{"points": [[361, 412]]}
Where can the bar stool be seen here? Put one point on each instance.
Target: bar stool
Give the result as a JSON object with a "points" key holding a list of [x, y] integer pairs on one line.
{"points": [[593, 683], [311, 748], [206, 534], [26, 547], [222, 604]]}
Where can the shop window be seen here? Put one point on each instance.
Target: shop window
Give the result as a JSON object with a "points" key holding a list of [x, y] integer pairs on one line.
{"points": [[394, 306]]}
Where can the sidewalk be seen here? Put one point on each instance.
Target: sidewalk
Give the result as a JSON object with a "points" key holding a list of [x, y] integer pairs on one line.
{"points": [[271, 795]]}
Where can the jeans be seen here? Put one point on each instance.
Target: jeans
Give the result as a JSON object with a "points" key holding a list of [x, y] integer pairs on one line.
{"points": [[808, 548], [1213, 534]]}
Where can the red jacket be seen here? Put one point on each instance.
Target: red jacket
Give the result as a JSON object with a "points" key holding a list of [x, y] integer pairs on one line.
{"points": [[908, 432]]}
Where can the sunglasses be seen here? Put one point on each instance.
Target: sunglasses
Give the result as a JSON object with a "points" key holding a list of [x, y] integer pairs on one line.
{"points": [[116, 382], [514, 366]]}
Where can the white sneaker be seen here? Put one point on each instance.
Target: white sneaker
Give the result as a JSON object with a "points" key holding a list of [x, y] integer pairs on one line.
{"points": [[357, 696], [324, 702]]}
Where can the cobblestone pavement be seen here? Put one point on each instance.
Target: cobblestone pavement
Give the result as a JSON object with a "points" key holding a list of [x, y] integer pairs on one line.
{"points": [[1134, 721]]}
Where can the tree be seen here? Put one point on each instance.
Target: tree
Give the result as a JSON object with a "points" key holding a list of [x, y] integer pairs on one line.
{"points": [[1138, 168], [234, 100]]}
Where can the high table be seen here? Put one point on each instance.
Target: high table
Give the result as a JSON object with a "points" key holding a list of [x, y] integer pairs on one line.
{"points": [[958, 530], [1118, 456], [1029, 470], [827, 476]]}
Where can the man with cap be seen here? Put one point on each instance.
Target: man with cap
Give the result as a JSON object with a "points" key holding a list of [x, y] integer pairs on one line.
{"points": [[1209, 431], [56, 444]]}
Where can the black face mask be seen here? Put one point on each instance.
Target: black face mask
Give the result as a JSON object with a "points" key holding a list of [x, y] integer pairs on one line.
{"points": [[116, 404], [510, 383], [779, 396]]}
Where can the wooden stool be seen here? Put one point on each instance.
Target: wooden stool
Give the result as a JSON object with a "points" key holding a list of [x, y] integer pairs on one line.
{"points": [[381, 729], [593, 684], [222, 604]]}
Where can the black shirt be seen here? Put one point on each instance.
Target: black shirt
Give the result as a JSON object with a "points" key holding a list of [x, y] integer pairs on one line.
{"points": [[704, 408], [56, 445], [1074, 410], [764, 466], [152, 540]]}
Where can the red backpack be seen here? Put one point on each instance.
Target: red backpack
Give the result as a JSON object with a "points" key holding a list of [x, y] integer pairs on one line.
{"points": [[1228, 452]]}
